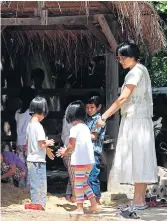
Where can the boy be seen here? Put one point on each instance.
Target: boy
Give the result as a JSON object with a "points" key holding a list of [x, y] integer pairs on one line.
{"points": [[93, 107]]}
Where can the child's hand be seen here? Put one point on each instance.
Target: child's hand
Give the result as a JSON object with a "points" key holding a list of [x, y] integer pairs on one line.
{"points": [[50, 154], [61, 152], [50, 142]]}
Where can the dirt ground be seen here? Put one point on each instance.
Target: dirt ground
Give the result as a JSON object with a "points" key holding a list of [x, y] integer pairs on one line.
{"points": [[58, 209]]}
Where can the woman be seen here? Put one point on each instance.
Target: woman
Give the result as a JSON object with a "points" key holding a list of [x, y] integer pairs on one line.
{"points": [[135, 158], [12, 166]]}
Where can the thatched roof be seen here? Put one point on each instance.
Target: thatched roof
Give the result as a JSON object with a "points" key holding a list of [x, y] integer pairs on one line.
{"points": [[137, 20]]}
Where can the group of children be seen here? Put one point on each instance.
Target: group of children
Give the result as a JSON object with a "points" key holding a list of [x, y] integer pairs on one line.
{"points": [[81, 152]]}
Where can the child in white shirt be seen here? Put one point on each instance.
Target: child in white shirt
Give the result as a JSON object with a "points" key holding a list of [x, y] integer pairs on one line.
{"points": [[82, 157], [22, 117], [70, 193], [37, 149]]}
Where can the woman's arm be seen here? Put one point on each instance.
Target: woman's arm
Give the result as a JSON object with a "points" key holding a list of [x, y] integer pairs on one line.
{"points": [[125, 94], [10, 172]]}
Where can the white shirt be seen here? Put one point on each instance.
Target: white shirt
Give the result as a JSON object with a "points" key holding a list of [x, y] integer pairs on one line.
{"points": [[22, 120], [83, 153], [65, 132], [140, 102], [35, 133]]}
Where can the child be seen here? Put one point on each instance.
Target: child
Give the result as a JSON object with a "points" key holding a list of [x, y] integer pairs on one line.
{"points": [[37, 148], [22, 118], [70, 194], [82, 157], [93, 106]]}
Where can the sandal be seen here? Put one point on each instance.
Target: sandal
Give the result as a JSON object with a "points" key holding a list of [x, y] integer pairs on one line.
{"points": [[161, 203], [141, 207], [129, 214]]}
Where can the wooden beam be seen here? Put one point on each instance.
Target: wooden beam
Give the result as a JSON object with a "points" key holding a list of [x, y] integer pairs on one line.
{"points": [[44, 27], [66, 20], [112, 85], [99, 35], [54, 92], [107, 32]]}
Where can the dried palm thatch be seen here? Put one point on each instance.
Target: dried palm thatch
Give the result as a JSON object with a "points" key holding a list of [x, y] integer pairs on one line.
{"points": [[137, 20], [69, 48], [141, 23]]}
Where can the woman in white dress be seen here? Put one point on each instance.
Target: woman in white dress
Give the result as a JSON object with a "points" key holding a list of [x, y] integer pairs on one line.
{"points": [[135, 158]]}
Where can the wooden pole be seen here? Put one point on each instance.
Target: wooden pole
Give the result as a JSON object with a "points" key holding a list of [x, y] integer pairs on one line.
{"points": [[112, 84]]}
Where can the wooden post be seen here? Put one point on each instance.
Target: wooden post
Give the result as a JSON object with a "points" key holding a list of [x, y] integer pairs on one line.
{"points": [[112, 84]]}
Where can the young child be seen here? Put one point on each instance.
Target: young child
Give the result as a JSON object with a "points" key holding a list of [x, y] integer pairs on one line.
{"points": [[93, 106], [82, 157], [22, 118], [37, 148], [70, 193]]}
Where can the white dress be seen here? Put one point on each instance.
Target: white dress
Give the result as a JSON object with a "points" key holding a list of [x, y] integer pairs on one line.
{"points": [[135, 157]]}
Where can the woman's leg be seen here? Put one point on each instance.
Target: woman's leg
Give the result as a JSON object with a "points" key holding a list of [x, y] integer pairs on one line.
{"points": [[139, 194]]}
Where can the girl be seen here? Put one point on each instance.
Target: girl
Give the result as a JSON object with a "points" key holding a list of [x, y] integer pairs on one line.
{"points": [[37, 148], [82, 157], [22, 118], [70, 193]]}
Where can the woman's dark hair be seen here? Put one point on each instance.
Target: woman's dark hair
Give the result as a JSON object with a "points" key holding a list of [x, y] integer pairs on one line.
{"points": [[96, 100], [39, 106], [75, 112], [26, 95], [128, 49]]}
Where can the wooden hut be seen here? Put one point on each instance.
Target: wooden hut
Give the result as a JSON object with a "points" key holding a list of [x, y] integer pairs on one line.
{"points": [[69, 33]]}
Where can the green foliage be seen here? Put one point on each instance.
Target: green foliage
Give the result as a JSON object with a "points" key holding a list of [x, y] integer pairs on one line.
{"points": [[157, 65], [158, 71], [160, 6]]}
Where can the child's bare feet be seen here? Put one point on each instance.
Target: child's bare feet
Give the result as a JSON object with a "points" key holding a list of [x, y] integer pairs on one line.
{"points": [[73, 199], [68, 197], [78, 212], [93, 207], [98, 201]]}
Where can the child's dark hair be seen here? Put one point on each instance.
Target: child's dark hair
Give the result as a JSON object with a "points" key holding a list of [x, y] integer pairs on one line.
{"points": [[75, 112], [128, 49], [39, 106], [26, 95], [96, 100], [37, 73]]}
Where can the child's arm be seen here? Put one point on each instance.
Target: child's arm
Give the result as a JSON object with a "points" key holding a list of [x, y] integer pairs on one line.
{"points": [[94, 136], [71, 146], [45, 143]]}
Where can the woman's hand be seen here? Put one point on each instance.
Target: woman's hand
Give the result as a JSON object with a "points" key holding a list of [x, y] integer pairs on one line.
{"points": [[100, 123], [50, 154]]}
